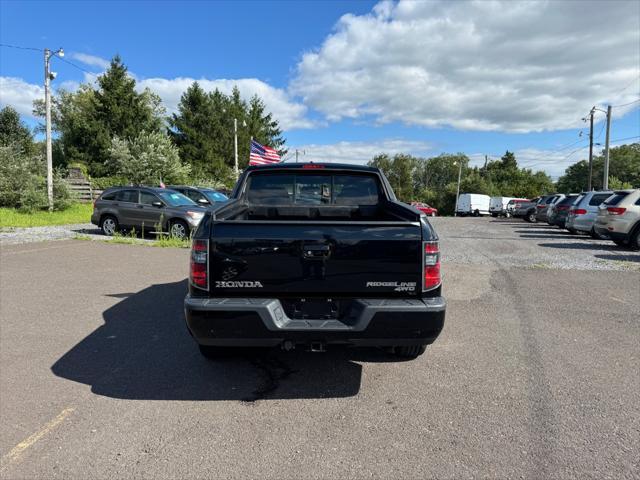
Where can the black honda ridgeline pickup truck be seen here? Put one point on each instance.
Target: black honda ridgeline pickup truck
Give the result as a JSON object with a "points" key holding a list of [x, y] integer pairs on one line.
{"points": [[314, 254]]}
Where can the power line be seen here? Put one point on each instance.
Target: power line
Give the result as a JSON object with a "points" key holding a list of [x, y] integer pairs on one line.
{"points": [[622, 139], [632, 82], [625, 104], [77, 66], [21, 48], [59, 58]]}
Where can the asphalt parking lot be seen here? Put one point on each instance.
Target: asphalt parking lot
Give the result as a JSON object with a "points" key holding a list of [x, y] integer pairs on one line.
{"points": [[535, 374]]}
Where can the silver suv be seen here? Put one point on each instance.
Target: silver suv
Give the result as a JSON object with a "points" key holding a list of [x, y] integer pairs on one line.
{"points": [[146, 208], [619, 218], [583, 213]]}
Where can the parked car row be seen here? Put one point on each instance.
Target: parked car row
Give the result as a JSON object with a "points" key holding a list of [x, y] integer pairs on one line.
{"points": [[174, 210], [610, 214]]}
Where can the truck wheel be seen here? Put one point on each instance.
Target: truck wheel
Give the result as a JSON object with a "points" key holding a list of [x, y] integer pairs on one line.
{"points": [[531, 218], [413, 351], [109, 225], [476, 213]]}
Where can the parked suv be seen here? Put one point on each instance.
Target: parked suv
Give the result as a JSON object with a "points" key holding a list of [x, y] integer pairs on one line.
{"points": [[543, 206], [619, 218], [146, 208], [582, 215], [560, 210], [201, 195]]}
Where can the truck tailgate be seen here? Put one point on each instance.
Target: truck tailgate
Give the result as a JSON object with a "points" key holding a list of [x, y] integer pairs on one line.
{"points": [[294, 259]]}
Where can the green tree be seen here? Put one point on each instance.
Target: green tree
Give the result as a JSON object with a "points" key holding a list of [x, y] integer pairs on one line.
{"points": [[624, 166], [195, 131], [203, 129], [14, 132], [399, 171], [148, 158], [88, 119]]}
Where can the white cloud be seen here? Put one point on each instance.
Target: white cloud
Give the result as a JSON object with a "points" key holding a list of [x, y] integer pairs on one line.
{"points": [[289, 113], [357, 152], [19, 94], [484, 65], [91, 60]]}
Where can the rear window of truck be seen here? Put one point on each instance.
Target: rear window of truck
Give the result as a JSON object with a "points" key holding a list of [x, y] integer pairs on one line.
{"points": [[312, 189]]}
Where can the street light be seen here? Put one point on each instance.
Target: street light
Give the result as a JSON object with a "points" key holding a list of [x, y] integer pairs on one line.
{"points": [[48, 76], [459, 163]]}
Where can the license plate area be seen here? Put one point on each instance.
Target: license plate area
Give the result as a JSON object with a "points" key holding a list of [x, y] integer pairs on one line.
{"points": [[312, 309]]}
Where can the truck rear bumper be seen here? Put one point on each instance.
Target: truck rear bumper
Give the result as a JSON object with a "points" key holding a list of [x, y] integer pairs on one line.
{"points": [[263, 322]]}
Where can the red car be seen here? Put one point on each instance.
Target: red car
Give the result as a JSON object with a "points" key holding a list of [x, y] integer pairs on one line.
{"points": [[427, 209]]}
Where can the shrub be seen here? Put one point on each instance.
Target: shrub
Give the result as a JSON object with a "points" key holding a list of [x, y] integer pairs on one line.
{"points": [[102, 183], [148, 158], [23, 182]]}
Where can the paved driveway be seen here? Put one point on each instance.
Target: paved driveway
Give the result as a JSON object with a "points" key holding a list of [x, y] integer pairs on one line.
{"points": [[535, 374]]}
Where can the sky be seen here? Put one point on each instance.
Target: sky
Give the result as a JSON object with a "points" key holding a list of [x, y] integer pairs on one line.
{"points": [[350, 79]]}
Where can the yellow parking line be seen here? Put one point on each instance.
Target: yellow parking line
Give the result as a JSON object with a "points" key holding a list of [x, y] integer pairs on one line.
{"points": [[17, 451]]}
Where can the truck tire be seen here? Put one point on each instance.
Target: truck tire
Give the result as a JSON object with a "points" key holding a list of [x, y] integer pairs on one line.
{"points": [[413, 351], [476, 213], [531, 217]]}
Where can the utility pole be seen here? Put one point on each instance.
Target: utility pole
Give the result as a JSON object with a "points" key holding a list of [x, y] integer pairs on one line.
{"points": [[48, 76], [605, 179], [47, 108], [235, 144], [590, 147], [455, 213]]}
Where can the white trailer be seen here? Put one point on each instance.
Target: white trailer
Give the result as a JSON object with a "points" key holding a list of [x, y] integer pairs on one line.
{"points": [[474, 204]]}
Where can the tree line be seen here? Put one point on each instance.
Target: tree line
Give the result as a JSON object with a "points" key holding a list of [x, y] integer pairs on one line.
{"points": [[435, 180], [113, 130]]}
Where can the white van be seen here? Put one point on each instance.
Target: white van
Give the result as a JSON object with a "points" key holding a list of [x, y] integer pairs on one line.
{"points": [[473, 204], [498, 205]]}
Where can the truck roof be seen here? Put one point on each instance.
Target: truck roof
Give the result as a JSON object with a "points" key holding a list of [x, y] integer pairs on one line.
{"points": [[313, 165]]}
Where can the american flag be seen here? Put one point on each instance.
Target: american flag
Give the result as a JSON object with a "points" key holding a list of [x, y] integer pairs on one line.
{"points": [[262, 155]]}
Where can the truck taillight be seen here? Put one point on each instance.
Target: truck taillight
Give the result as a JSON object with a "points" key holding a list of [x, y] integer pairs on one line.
{"points": [[431, 266], [616, 210], [198, 271]]}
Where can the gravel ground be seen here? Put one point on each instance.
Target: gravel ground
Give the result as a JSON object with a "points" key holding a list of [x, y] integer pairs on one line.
{"points": [[13, 236], [516, 243], [84, 231]]}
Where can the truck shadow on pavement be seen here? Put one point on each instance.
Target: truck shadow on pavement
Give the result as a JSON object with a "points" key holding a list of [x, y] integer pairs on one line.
{"points": [[144, 351]]}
